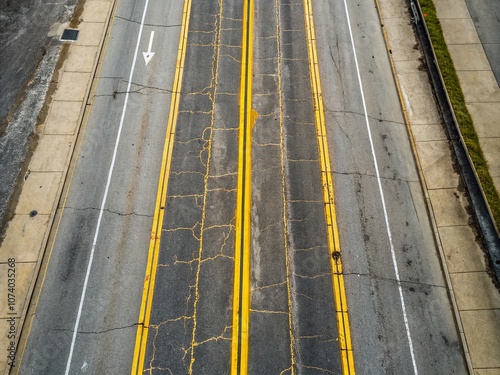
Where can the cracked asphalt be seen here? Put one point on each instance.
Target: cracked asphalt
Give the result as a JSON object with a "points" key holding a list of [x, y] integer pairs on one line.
{"points": [[196, 258], [289, 253], [293, 326]]}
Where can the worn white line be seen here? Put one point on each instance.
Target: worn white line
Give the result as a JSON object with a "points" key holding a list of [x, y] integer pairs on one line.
{"points": [[382, 197], [105, 196]]}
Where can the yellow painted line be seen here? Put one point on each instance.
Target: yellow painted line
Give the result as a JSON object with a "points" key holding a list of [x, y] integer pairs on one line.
{"points": [[154, 244], [346, 354], [241, 287]]}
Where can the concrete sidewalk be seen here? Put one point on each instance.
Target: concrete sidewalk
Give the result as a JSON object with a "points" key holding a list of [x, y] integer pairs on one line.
{"points": [[478, 300], [475, 298], [27, 234], [479, 85]]}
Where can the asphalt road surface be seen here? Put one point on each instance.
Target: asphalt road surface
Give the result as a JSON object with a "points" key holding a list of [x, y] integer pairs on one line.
{"points": [[229, 113]]}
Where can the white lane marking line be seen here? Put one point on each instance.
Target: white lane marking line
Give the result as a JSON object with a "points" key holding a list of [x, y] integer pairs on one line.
{"points": [[382, 197], [101, 210], [149, 55]]}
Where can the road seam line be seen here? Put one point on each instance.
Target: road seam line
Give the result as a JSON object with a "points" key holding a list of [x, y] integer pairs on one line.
{"points": [[382, 197], [344, 332], [286, 233], [154, 244], [241, 287]]}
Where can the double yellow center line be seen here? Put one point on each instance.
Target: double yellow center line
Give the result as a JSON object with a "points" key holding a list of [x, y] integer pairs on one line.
{"points": [[339, 294], [241, 287]]}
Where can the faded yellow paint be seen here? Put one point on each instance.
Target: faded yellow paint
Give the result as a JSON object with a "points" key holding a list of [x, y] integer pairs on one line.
{"points": [[344, 332]]}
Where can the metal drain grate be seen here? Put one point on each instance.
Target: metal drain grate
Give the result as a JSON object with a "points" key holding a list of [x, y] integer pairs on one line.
{"points": [[70, 35]]}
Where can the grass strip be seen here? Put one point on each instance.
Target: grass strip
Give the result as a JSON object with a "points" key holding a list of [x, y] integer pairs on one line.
{"points": [[458, 103]]}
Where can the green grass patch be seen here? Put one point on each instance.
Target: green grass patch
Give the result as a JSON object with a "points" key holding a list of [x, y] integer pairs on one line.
{"points": [[458, 102]]}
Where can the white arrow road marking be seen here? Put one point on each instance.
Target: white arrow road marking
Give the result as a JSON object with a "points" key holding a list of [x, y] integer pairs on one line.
{"points": [[149, 55]]}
